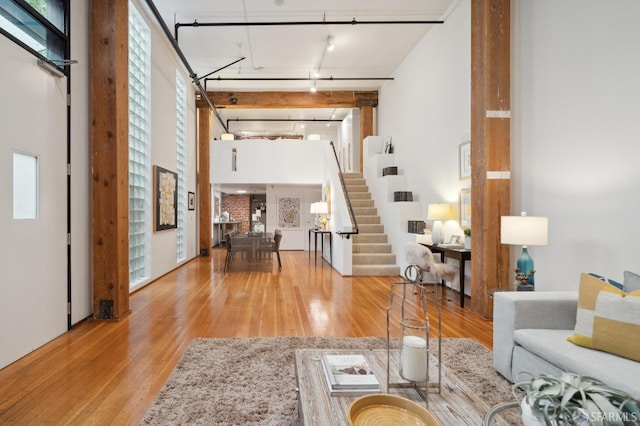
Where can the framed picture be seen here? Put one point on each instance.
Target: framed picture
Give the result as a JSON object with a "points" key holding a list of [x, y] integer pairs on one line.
{"points": [[465, 207], [464, 160], [191, 201], [165, 184], [289, 212]]}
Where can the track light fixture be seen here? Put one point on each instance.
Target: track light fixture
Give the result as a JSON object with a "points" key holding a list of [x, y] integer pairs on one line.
{"points": [[330, 45]]}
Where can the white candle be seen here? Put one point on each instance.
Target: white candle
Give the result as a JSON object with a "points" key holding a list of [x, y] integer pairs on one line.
{"points": [[414, 358]]}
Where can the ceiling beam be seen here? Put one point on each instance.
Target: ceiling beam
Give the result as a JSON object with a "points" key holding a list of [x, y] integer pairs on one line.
{"points": [[320, 99]]}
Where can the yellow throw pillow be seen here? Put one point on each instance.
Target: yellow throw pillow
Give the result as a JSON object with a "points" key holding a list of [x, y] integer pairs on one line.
{"points": [[608, 318]]}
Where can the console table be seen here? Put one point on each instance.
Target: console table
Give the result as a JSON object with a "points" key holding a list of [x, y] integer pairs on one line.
{"points": [[461, 254], [322, 233]]}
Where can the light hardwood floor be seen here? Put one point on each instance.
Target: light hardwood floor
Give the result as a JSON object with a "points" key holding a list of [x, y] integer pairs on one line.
{"points": [[109, 372]]}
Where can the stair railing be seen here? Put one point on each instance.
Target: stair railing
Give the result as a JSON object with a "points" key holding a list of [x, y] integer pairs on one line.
{"points": [[352, 217]]}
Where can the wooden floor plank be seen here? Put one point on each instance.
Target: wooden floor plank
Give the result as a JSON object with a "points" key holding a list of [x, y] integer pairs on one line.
{"points": [[109, 372]]}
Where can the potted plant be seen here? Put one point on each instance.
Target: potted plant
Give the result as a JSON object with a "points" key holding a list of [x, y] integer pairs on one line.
{"points": [[467, 238], [572, 399]]}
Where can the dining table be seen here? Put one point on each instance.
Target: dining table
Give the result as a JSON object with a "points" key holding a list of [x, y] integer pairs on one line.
{"points": [[252, 251]]}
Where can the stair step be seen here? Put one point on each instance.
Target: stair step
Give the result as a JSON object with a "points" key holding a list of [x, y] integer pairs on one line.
{"points": [[365, 211], [371, 248], [356, 188], [364, 220], [359, 196], [370, 228], [375, 270], [362, 203], [352, 182], [352, 175], [370, 238], [373, 259]]}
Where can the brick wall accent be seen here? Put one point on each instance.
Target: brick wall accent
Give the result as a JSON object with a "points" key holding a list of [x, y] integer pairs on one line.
{"points": [[239, 208]]}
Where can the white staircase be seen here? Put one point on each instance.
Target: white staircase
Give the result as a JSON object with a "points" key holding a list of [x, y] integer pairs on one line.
{"points": [[372, 254]]}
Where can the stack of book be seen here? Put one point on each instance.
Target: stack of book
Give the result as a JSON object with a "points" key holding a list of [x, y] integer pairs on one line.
{"points": [[349, 375]]}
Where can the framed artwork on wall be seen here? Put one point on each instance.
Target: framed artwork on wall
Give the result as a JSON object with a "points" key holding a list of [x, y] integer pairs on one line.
{"points": [[464, 160], [465, 207], [165, 211], [289, 212], [191, 200]]}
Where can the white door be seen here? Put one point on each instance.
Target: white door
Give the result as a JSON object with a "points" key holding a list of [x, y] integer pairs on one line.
{"points": [[33, 247]]}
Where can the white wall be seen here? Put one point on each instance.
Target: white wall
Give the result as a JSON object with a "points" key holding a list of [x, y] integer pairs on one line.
{"points": [[576, 134], [293, 238], [575, 129], [266, 161], [426, 111]]}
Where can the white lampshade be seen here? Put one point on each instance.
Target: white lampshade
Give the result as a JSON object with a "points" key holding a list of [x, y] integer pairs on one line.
{"points": [[524, 230], [441, 211], [313, 208], [322, 207]]}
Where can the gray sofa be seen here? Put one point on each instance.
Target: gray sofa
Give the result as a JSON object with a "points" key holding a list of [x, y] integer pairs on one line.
{"points": [[530, 330]]}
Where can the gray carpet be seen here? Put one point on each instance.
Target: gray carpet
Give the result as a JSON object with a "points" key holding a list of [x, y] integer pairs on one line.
{"points": [[252, 381]]}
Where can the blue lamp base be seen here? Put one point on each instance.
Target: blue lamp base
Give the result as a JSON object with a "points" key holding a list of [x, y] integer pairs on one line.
{"points": [[524, 271]]}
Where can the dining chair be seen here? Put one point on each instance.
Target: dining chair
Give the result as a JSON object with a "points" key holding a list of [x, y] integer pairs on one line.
{"points": [[273, 246]]}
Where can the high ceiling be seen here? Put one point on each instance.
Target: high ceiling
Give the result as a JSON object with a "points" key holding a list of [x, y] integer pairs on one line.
{"points": [[365, 54]]}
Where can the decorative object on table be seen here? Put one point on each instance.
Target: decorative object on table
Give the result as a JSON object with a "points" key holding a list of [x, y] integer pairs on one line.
{"points": [[289, 212], [525, 231], [464, 160], [416, 226], [389, 409], [572, 399], [320, 209], [388, 145], [349, 375], [438, 213], [166, 199], [414, 336], [224, 217], [465, 207], [467, 238]]}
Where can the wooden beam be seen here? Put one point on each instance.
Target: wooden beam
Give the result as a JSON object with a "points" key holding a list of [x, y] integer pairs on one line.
{"points": [[490, 148], [109, 157], [334, 99], [204, 184], [366, 129]]}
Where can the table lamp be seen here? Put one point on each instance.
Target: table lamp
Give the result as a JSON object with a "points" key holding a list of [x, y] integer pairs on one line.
{"points": [[320, 208], [438, 213], [525, 231]]}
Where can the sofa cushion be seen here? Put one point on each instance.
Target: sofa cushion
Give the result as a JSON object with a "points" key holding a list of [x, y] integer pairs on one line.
{"points": [[631, 281], [552, 346], [608, 319]]}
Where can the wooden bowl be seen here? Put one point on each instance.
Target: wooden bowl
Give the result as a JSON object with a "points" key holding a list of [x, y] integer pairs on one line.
{"points": [[385, 409]]}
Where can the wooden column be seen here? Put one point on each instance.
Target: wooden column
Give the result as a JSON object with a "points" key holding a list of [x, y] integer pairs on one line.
{"points": [[204, 184], [110, 155], [366, 129], [490, 148]]}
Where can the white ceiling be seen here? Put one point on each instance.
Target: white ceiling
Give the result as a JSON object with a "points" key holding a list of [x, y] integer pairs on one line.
{"points": [[297, 51]]}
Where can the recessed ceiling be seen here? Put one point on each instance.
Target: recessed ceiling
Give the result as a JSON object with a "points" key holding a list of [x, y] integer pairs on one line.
{"points": [[366, 52]]}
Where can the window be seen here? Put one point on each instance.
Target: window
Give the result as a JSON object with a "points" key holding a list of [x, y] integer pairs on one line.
{"points": [[25, 186], [38, 25], [181, 157], [139, 149]]}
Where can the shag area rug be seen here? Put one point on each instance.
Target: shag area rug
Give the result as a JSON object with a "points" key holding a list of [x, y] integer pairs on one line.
{"points": [[240, 381]]}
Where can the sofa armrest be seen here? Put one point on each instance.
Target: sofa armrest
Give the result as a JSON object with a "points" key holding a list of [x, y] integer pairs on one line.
{"points": [[513, 310]]}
